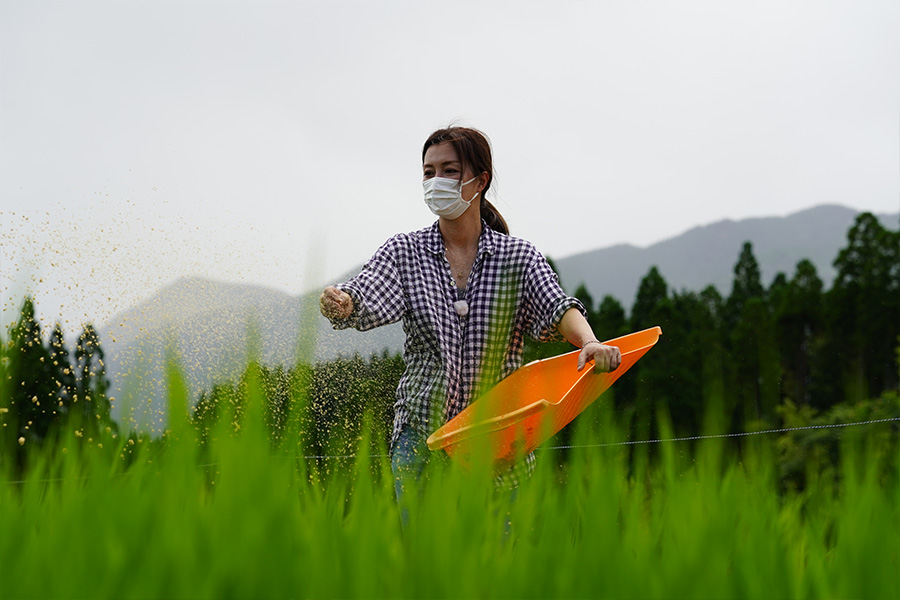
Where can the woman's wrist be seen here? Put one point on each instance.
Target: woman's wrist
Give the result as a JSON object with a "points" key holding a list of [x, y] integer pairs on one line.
{"points": [[591, 342]]}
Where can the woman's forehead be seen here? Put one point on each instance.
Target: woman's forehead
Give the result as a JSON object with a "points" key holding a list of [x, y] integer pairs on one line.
{"points": [[440, 154]]}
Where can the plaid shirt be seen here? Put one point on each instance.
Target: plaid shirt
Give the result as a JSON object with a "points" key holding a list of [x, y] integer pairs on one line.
{"points": [[452, 359]]}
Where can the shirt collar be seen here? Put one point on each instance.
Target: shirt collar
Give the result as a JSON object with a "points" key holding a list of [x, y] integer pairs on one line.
{"points": [[434, 243]]}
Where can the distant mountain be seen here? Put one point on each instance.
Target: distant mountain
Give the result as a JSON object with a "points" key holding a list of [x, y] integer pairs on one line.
{"points": [[707, 254], [212, 328], [206, 323]]}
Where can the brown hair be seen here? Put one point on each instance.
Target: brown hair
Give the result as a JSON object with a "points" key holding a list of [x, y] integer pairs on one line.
{"points": [[474, 152]]}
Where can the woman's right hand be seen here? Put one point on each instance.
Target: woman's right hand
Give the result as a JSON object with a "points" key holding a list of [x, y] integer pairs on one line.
{"points": [[335, 304]]}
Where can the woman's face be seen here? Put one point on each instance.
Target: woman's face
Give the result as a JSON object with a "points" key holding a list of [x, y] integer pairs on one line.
{"points": [[441, 161]]}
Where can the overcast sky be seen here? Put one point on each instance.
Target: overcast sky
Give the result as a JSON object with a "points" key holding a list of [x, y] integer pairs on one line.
{"points": [[278, 143]]}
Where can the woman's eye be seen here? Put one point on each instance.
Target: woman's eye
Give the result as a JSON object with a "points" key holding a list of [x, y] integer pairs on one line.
{"points": [[428, 174]]}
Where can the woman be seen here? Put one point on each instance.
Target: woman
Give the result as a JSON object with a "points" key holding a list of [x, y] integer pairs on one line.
{"points": [[467, 293]]}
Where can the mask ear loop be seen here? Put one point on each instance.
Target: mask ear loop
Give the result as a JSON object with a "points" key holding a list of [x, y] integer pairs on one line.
{"points": [[468, 202]]}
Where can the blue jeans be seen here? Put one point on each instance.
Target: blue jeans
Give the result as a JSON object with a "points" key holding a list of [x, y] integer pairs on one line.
{"points": [[409, 460]]}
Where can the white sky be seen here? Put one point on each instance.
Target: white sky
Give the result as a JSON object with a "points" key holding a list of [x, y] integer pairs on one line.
{"points": [[279, 143]]}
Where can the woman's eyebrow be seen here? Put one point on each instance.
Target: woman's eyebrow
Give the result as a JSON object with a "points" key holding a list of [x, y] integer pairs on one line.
{"points": [[443, 164]]}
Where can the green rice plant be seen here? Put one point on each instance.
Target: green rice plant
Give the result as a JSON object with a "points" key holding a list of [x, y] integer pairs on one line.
{"points": [[234, 514]]}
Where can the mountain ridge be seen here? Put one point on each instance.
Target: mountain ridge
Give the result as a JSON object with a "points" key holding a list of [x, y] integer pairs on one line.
{"points": [[706, 254]]}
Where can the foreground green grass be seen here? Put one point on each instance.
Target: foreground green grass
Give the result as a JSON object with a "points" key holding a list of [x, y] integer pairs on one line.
{"points": [[244, 520]]}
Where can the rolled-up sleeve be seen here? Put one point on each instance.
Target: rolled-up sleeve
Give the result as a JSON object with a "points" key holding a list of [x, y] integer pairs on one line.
{"points": [[547, 301], [377, 292]]}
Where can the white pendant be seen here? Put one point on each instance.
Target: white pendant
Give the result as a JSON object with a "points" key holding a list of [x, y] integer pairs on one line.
{"points": [[462, 307]]}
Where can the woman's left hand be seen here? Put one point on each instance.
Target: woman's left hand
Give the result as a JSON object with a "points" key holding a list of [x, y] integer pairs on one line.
{"points": [[606, 358]]}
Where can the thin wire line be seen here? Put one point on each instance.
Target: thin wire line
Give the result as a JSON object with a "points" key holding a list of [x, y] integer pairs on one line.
{"points": [[721, 435], [344, 456], [566, 447]]}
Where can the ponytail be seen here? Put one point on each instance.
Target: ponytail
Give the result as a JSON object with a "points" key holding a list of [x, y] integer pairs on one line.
{"points": [[492, 217]]}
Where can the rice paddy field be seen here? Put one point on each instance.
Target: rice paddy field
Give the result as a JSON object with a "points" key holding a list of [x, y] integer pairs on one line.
{"points": [[241, 517]]}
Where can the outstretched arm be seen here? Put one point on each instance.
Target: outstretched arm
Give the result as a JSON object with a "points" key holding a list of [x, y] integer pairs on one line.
{"points": [[575, 328]]}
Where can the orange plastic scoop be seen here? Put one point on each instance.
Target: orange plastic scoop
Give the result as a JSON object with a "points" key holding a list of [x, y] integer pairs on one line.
{"points": [[530, 406]]}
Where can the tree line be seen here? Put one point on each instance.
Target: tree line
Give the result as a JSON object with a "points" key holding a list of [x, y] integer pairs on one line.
{"points": [[763, 351], [48, 391]]}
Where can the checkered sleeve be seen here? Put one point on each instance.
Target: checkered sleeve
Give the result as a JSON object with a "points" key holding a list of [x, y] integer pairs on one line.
{"points": [[547, 301], [377, 292]]}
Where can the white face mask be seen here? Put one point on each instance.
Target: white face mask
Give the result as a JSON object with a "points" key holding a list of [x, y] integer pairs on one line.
{"points": [[444, 196]]}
